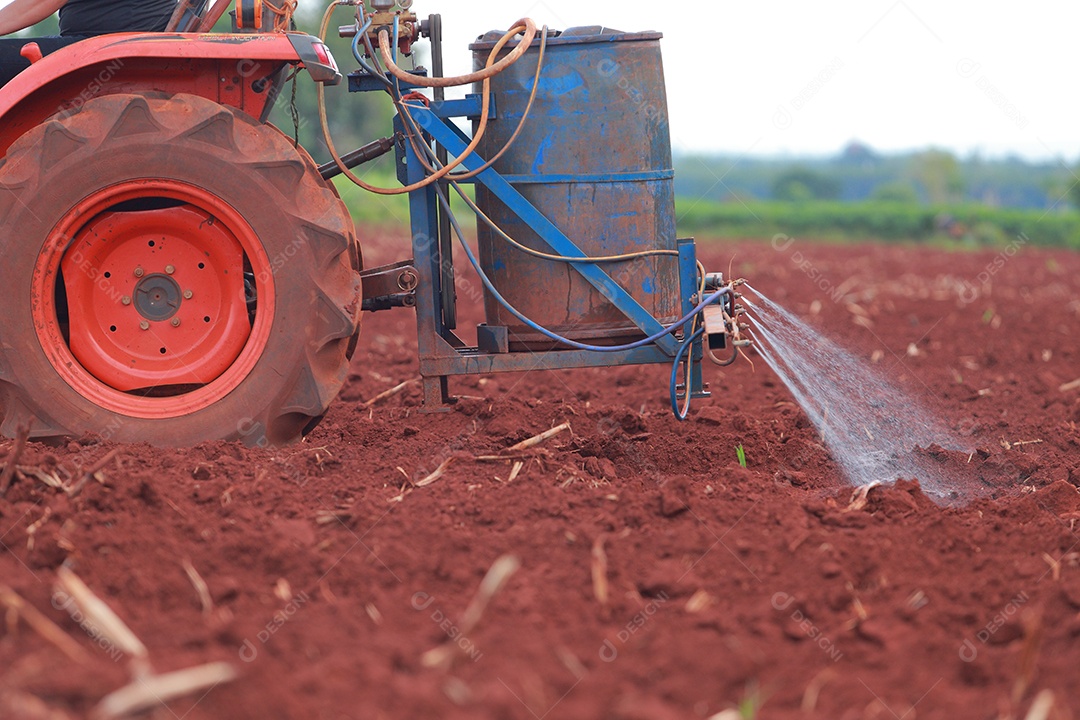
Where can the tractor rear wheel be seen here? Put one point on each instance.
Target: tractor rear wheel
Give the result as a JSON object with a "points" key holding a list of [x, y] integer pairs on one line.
{"points": [[175, 272]]}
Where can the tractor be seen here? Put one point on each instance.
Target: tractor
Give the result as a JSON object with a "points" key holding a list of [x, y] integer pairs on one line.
{"points": [[180, 270]]}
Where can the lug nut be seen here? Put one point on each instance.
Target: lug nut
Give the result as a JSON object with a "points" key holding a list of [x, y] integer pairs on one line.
{"points": [[188, 294], [169, 269], [126, 300], [139, 272], [176, 322], [144, 325]]}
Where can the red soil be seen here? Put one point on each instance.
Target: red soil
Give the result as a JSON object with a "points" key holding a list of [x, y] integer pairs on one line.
{"points": [[726, 585]]}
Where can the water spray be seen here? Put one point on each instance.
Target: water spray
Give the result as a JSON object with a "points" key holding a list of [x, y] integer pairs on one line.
{"points": [[873, 429]]}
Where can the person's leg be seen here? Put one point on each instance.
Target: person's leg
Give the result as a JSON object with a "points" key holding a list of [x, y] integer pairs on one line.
{"points": [[12, 63]]}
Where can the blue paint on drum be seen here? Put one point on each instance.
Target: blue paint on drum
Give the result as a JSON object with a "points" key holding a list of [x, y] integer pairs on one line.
{"points": [[541, 151], [554, 87]]}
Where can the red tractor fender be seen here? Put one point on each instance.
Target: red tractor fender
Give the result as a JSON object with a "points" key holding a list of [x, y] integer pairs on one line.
{"points": [[241, 71]]}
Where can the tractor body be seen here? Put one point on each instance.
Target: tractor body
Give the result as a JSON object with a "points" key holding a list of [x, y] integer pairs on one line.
{"points": [[241, 71]]}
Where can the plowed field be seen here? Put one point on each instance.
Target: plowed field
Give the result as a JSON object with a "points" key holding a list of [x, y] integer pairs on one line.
{"points": [[658, 578]]}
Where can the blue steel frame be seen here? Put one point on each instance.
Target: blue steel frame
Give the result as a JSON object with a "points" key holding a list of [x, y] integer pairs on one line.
{"points": [[442, 353]]}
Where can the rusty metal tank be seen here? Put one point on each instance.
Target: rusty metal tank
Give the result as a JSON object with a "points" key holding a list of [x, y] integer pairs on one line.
{"points": [[595, 158]]}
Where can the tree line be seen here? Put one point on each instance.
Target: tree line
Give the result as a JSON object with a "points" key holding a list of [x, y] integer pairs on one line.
{"points": [[931, 177]]}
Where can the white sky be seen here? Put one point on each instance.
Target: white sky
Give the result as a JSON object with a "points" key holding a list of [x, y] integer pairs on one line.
{"points": [[798, 77]]}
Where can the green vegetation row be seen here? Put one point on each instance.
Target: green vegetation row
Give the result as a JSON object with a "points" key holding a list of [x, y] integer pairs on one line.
{"points": [[966, 225], [857, 174], [375, 212], [975, 225]]}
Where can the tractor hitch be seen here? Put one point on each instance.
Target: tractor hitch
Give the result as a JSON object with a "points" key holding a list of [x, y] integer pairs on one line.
{"points": [[389, 286]]}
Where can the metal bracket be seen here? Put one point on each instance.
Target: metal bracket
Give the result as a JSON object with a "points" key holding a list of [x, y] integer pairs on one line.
{"points": [[493, 339], [716, 328], [389, 286], [362, 81]]}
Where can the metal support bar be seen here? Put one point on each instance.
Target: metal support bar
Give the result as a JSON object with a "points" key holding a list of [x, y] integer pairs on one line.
{"points": [[446, 239], [470, 107], [699, 389], [688, 276], [471, 361], [593, 179], [434, 339], [436, 394], [362, 81]]}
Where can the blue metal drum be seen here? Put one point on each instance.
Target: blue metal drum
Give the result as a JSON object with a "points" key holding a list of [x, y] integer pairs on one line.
{"points": [[595, 158]]}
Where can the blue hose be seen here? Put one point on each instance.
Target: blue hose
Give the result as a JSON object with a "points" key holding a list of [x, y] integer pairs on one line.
{"points": [[360, 56], [397, 82], [681, 413], [555, 336], [397, 29]]}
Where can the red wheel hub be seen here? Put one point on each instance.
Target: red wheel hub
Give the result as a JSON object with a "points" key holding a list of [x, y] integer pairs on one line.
{"points": [[156, 298], [158, 313]]}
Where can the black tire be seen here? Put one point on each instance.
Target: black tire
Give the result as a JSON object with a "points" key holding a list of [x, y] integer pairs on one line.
{"points": [[293, 213]]}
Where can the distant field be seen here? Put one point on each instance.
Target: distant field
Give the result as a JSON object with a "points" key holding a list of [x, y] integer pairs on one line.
{"points": [[973, 225]]}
